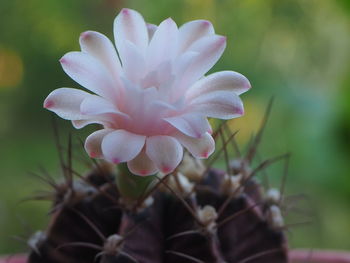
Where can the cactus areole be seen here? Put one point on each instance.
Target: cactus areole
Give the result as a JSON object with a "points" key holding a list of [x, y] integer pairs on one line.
{"points": [[149, 94]]}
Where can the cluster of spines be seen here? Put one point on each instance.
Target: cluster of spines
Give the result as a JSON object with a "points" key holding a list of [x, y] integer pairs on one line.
{"points": [[196, 214]]}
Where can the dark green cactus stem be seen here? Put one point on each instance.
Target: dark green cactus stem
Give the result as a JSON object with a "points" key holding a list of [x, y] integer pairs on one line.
{"points": [[131, 186]]}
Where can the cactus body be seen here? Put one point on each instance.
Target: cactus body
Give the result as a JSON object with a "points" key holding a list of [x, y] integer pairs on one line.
{"points": [[90, 222]]}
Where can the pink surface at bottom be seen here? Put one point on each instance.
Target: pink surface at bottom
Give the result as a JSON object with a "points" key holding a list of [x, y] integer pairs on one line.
{"points": [[14, 259]]}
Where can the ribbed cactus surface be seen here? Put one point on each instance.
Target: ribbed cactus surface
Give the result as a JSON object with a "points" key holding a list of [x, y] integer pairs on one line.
{"points": [[203, 216]]}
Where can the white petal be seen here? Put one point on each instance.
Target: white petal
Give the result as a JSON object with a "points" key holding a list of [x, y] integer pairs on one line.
{"points": [[90, 73], [100, 47], [210, 50], [129, 25], [93, 143], [78, 124], [223, 80], [149, 80], [151, 29], [192, 31], [218, 104], [96, 105], [201, 147], [107, 120], [134, 65], [164, 73], [181, 71], [184, 61], [122, 146], [165, 151], [65, 102], [142, 165], [163, 45], [193, 125], [136, 98]]}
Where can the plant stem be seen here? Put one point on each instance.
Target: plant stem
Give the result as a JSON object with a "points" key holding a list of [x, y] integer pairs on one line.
{"points": [[132, 186]]}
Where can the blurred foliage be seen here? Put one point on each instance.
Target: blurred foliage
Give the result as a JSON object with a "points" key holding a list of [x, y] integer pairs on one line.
{"points": [[294, 50]]}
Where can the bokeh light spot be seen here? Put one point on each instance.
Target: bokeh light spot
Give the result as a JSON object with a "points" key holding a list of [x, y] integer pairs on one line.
{"points": [[11, 68]]}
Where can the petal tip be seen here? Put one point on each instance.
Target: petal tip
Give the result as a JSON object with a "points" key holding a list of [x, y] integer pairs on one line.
{"points": [[205, 154], [144, 172], [166, 169], [248, 86], [239, 110], [63, 60], [93, 154], [206, 23], [222, 39], [85, 35], [48, 104], [169, 20], [116, 161], [125, 11]]}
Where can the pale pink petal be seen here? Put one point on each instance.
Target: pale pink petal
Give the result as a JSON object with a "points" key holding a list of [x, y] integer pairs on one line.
{"points": [[142, 165], [90, 73], [182, 78], [193, 125], [218, 104], [122, 146], [78, 124], [192, 31], [163, 80], [151, 29], [134, 65], [96, 105], [223, 80], [165, 151], [201, 147], [159, 105], [107, 120], [164, 73], [159, 109], [182, 62], [149, 80], [129, 25], [163, 45], [65, 102], [100, 47], [210, 50], [136, 99], [93, 143], [15, 258]]}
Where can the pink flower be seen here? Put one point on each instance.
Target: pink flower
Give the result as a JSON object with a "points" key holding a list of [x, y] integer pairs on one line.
{"points": [[153, 99]]}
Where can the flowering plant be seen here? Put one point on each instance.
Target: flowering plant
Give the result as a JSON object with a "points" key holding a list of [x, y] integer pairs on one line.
{"points": [[153, 98]]}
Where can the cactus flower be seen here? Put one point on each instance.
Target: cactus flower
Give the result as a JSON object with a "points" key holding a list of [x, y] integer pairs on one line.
{"points": [[149, 93]]}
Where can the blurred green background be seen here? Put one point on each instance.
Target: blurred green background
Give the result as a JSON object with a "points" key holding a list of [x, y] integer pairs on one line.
{"points": [[294, 50]]}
